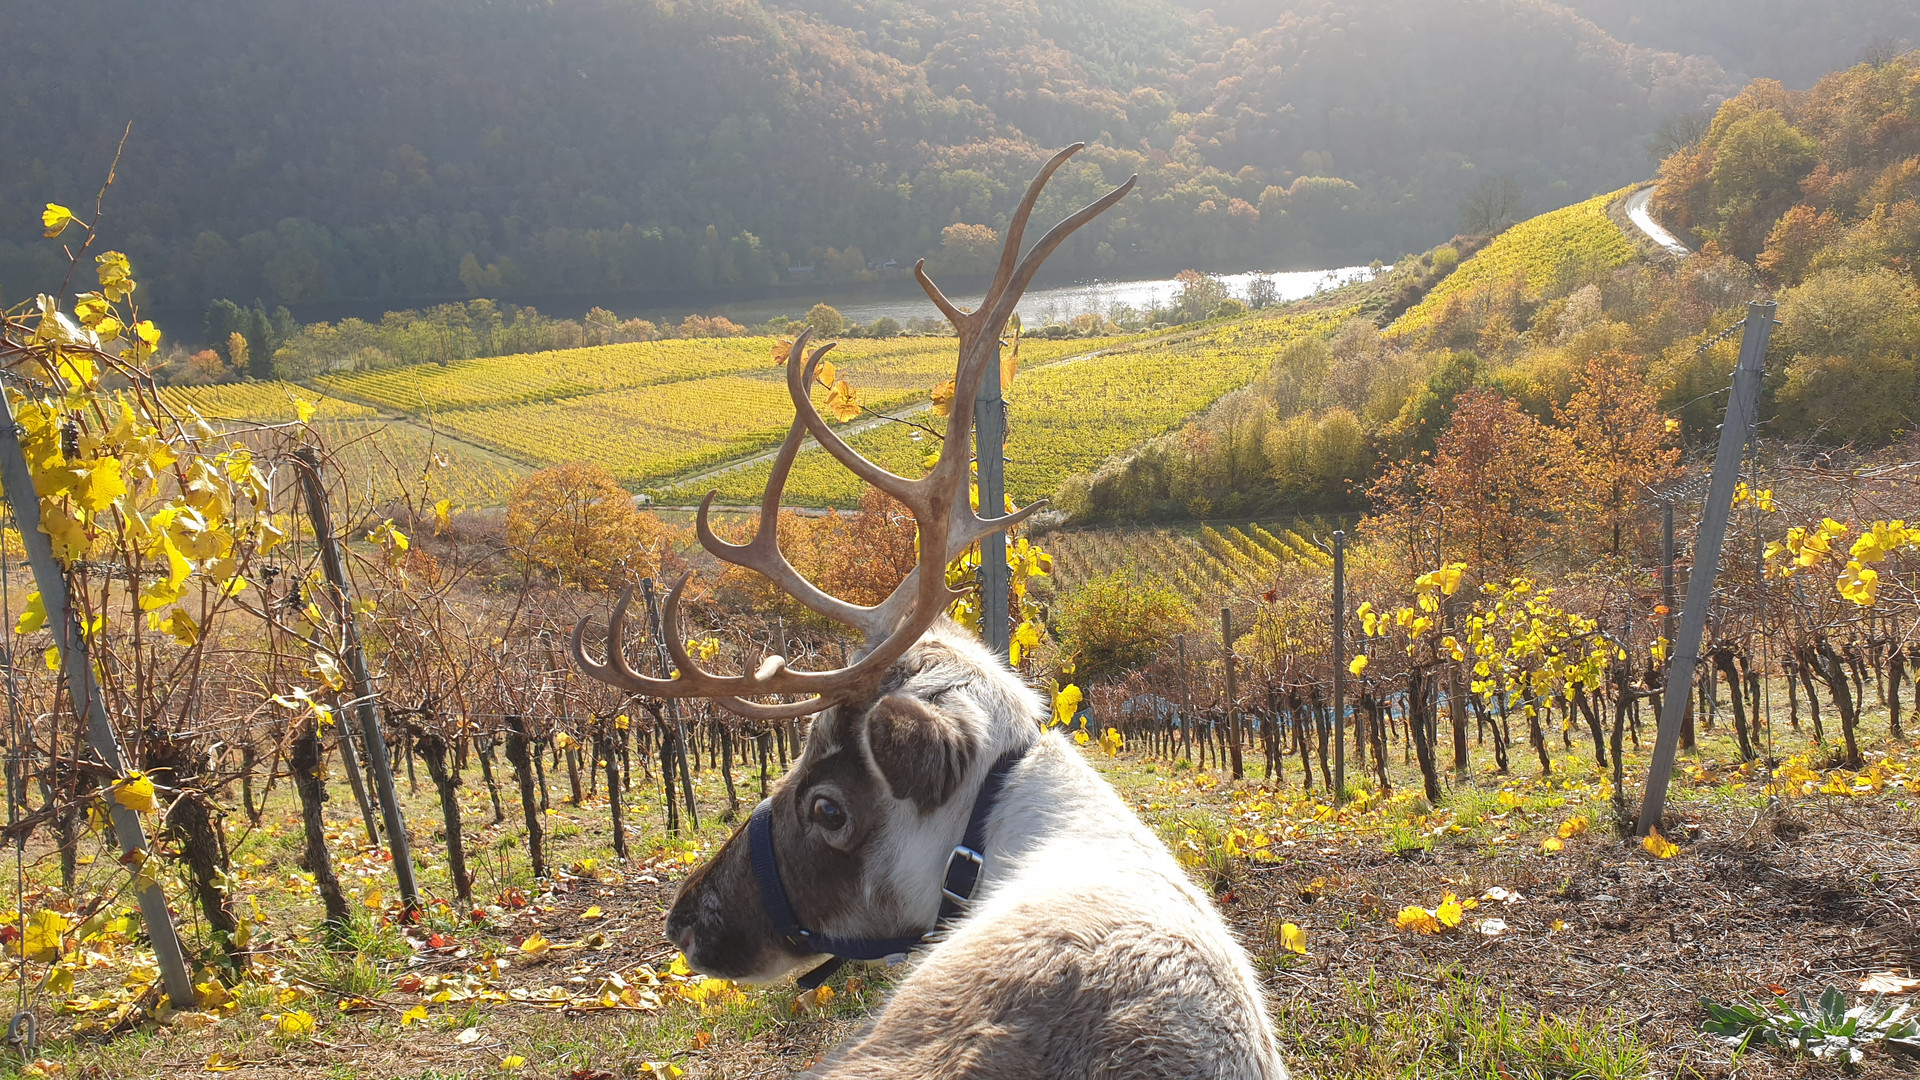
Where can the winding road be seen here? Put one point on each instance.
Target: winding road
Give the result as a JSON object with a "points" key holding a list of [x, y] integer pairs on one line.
{"points": [[1642, 219]]}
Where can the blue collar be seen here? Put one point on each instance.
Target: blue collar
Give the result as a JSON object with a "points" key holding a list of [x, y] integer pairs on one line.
{"points": [[962, 876]]}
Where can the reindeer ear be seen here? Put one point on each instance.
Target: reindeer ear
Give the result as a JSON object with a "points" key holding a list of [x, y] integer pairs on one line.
{"points": [[922, 754]]}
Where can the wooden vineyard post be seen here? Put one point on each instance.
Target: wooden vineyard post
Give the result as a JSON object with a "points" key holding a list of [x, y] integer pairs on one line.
{"points": [[86, 697], [364, 710], [1186, 701], [990, 436], [1233, 709], [673, 707], [1742, 410], [1339, 665]]}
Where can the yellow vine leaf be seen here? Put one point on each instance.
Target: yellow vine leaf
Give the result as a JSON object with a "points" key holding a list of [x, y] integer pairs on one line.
{"points": [[1293, 939], [942, 398], [135, 792], [592, 912], [513, 1061], [1414, 917], [1357, 665], [1449, 913], [40, 940], [296, 1023], [34, 617], [413, 1015], [1660, 845], [535, 944], [303, 409], [844, 401], [1550, 845], [55, 218], [1066, 703], [1573, 826]]}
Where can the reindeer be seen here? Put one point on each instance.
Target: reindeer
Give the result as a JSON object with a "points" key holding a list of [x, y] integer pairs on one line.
{"points": [[929, 810]]}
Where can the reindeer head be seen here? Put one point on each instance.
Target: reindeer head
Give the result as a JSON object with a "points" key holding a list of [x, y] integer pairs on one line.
{"points": [[906, 729], [863, 823]]}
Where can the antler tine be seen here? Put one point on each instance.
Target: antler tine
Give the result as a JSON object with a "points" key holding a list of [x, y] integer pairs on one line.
{"points": [[937, 500], [765, 558], [954, 315], [799, 383], [614, 670], [1030, 265], [966, 530], [754, 710], [1017, 226]]}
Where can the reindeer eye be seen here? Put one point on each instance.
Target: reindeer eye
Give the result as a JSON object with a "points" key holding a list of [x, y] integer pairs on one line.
{"points": [[828, 815]]}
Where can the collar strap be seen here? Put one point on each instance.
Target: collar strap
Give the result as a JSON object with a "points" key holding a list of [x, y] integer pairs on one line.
{"points": [[962, 877]]}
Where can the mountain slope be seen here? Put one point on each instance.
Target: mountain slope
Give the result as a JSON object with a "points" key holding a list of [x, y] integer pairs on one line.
{"points": [[400, 151]]}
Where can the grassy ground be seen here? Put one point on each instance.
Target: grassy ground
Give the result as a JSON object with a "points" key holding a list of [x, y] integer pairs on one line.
{"points": [[1594, 968]]}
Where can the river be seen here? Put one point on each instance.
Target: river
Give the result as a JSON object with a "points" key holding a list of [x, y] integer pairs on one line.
{"points": [[1038, 307]]}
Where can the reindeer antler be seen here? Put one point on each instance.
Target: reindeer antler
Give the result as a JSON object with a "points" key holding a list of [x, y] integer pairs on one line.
{"points": [[938, 501]]}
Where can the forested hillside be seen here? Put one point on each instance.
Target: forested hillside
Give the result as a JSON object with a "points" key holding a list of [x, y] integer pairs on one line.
{"points": [[1809, 196], [412, 150], [1797, 41]]}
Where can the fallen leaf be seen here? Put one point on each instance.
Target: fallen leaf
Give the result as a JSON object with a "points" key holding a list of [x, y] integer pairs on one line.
{"points": [[297, 1022], [513, 1061], [1887, 982], [468, 1037], [413, 1015], [1491, 927], [1660, 845], [1414, 917], [592, 913], [534, 945], [1293, 939]]}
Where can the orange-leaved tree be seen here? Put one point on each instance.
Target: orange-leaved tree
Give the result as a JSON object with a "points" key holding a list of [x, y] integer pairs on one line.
{"points": [[1623, 442], [574, 521]]}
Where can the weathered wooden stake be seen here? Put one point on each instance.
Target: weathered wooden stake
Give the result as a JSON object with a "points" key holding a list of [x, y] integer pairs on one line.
{"points": [[1742, 410], [84, 692], [308, 460]]}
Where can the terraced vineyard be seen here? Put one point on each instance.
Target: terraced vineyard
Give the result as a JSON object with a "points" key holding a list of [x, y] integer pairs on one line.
{"points": [[1532, 253], [643, 433], [877, 366], [651, 411], [1203, 565], [380, 457], [1065, 418], [544, 376], [384, 459], [271, 400]]}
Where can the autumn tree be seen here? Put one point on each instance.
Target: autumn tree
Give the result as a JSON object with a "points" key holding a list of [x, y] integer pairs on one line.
{"points": [[826, 321], [1495, 489], [968, 249], [1621, 442], [1116, 623], [574, 521]]}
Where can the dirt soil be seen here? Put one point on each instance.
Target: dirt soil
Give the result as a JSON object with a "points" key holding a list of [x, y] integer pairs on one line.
{"points": [[1812, 896]]}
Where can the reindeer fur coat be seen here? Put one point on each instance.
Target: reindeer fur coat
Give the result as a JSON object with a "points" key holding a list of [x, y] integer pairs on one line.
{"points": [[1086, 951]]}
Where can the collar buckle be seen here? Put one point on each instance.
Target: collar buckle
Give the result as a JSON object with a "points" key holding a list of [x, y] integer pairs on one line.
{"points": [[963, 872]]}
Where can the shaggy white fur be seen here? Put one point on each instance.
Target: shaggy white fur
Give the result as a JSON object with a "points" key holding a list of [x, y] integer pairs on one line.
{"points": [[1087, 951]]}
